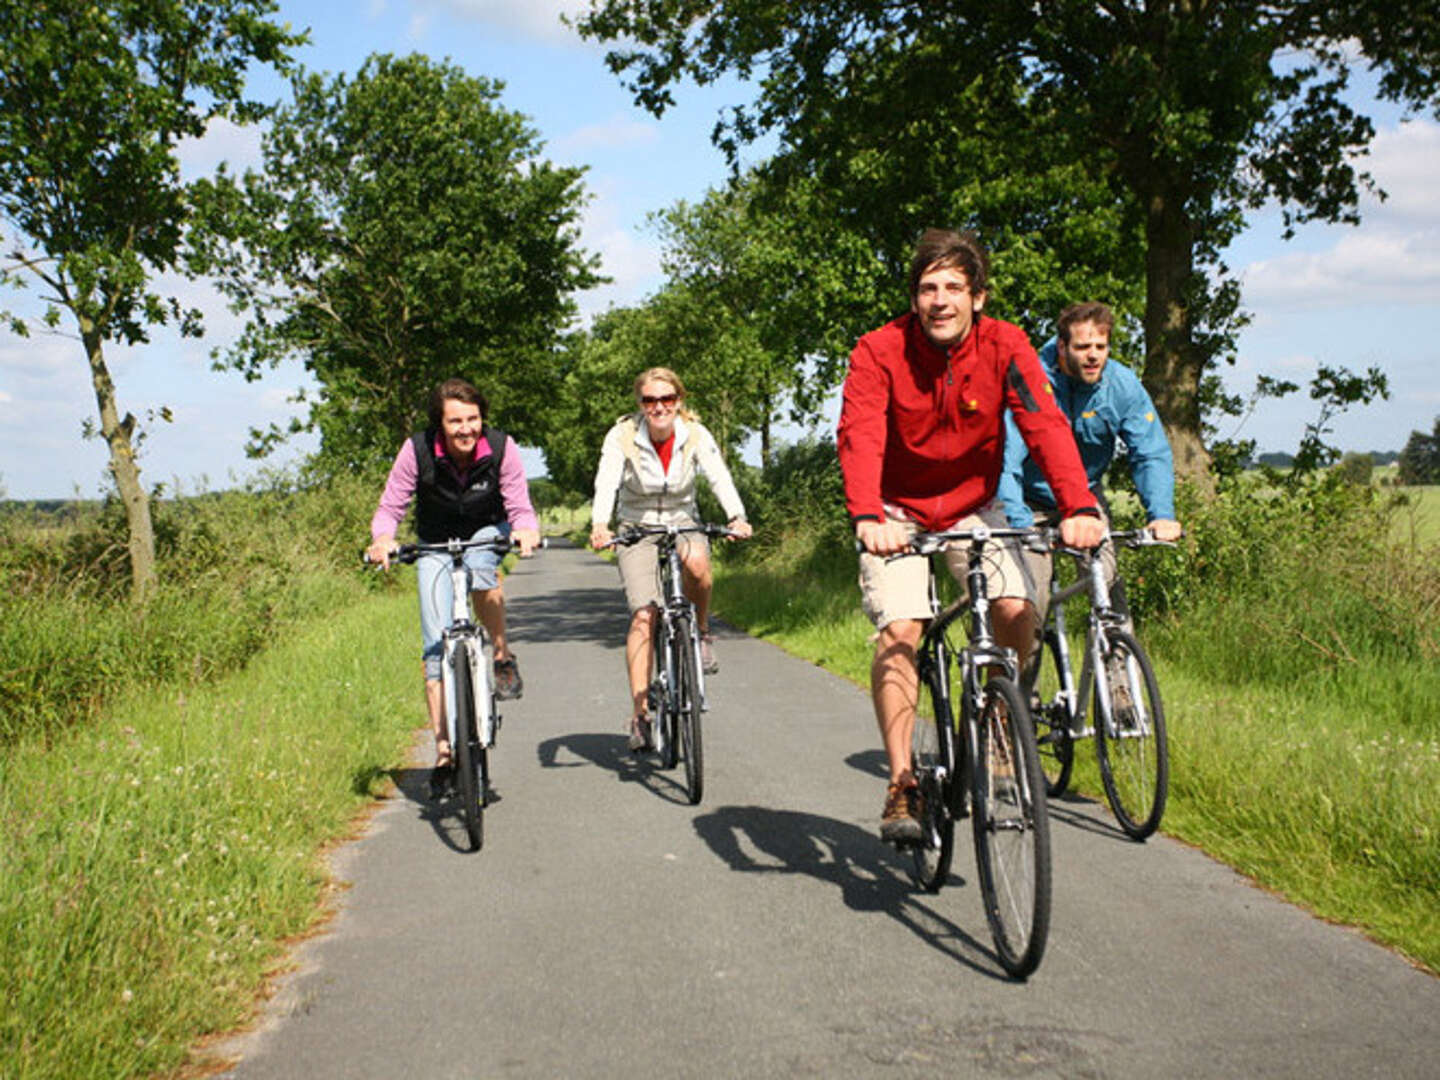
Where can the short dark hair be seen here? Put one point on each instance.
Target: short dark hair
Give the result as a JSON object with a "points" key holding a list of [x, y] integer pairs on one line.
{"points": [[455, 390], [1091, 311], [946, 248]]}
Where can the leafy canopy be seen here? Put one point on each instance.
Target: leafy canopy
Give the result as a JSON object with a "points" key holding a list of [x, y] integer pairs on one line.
{"points": [[404, 229]]}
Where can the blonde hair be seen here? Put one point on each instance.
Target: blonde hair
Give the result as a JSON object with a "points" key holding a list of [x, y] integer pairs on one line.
{"points": [[664, 374]]}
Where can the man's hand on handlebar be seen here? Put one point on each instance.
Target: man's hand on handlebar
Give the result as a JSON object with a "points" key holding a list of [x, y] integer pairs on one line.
{"points": [[1082, 531], [882, 537], [1165, 530]]}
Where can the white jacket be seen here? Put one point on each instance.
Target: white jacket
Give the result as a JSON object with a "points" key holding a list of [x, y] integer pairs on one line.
{"points": [[648, 495]]}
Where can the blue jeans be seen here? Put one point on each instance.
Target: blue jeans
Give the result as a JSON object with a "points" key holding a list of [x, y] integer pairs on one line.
{"points": [[432, 577]]}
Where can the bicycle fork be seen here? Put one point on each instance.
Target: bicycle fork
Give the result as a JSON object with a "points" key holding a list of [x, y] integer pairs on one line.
{"points": [[486, 722]]}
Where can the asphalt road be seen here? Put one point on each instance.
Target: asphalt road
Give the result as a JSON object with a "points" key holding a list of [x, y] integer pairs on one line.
{"points": [[608, 929]]}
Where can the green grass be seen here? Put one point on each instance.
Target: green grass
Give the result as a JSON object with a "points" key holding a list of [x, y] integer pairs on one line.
{"points": [[1318, 798], [156, 861]]}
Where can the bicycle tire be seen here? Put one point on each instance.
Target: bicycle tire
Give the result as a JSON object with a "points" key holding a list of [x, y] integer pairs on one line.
{"points": [[1012, 828], [1052, 721], [932, 762], [470, 759], [687, 712], [662, 720], [1135, 766]]}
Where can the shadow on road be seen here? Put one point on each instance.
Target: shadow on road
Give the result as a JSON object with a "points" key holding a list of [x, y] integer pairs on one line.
{"points": [[593, 615], [759, 840], [610, 752], [442, 815]]}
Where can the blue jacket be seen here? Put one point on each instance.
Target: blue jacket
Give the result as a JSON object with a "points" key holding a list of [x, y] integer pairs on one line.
{"points": [[1118, 406]]}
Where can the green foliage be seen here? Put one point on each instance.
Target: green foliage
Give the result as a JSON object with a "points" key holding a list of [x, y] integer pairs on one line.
{"points": [[235, 569], [1356, 469], [1420, 460], [94, 99], [1105, 150], [404, 229]]}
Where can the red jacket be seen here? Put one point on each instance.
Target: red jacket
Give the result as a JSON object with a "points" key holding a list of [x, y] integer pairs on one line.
{"points": [[925, 432]]}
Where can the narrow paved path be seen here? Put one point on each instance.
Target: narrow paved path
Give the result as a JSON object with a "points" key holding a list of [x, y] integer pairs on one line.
{"points": [[608, 929]]}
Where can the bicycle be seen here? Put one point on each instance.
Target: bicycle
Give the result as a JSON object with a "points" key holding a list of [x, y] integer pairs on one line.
{"points": [[1129, 719], [676, 695], [471, 717], [1004, 795]]}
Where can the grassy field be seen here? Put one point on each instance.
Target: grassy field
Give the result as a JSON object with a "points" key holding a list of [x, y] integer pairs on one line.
{"points": [[156, 861]]}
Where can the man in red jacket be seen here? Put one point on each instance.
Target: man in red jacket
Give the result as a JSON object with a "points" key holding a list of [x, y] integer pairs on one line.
{"points": [[921, 444]]}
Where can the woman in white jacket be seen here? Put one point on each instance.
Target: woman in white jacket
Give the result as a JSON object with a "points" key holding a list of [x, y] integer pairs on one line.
{"points": [[651, 460]]}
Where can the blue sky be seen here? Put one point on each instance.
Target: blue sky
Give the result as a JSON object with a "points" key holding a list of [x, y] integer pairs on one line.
{"points": [[1351, 297]]}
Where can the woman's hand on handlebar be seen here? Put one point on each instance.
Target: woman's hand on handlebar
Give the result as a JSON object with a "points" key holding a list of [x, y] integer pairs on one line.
{"points": [[740, 529], [527, 540], [600, 536], [380, 550]]}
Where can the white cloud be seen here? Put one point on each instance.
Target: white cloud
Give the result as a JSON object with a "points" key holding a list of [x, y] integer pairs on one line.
{"points": [[237, 144], [1392, 257], [529, 18], [620, 131]]}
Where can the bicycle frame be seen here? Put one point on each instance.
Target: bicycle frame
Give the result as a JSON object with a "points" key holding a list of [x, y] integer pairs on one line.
{"points": [[1100, 618], [462, 628]]}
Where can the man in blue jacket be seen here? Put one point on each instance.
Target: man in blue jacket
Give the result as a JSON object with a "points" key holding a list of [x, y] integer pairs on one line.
{"points": [[1105, 402]]}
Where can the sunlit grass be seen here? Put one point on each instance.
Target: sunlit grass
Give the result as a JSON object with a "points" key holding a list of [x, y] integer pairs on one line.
{"points": [[155, 861]]}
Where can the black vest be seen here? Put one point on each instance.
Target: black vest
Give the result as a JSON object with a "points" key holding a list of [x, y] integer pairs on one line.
{"points": [[449, 507]]}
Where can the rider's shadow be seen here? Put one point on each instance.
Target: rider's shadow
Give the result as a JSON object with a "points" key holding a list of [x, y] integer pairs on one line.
{"points": [[442, 815], [761, 840], [611, 753]]}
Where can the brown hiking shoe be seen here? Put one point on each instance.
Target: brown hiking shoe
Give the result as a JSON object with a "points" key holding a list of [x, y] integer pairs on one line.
{"points": [[900, 819]]}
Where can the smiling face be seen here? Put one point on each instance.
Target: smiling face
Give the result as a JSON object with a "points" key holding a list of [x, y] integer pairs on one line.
{"points": [[460, 428], [945, 305], [660, 402], [1083, 356]]}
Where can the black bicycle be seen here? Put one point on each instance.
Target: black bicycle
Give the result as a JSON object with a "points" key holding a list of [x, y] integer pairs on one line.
{"points": [[676, 696], [980, 760], [1129, 719], [471, 717]]}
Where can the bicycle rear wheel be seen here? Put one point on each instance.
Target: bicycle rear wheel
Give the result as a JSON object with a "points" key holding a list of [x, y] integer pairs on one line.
{"points": [[470, 757], [1052, 718], [1012, 828], [1130, 744], [932, 761], [687, 711]]}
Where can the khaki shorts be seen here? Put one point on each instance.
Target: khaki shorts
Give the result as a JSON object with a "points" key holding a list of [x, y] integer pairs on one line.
{"points": [[892, 589], [639, 565], [1041, 566]]}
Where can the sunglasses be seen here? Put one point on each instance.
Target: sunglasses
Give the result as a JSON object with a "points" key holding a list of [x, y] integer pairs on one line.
{"points": [[663, 399]]}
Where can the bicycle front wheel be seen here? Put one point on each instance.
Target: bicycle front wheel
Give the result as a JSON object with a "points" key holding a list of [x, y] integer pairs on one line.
{"points": [[1012, 828], [470, 756], [687, 712], [1130, 743], [1052, 718], [932, 761], [662, 713]]}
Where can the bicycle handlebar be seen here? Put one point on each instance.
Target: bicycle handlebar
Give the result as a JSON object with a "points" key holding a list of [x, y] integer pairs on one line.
{"points": [[633, 534], [408, 553]]}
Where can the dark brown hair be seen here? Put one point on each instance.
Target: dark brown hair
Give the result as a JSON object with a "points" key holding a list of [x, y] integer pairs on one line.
{"points": [[1091, 311], [455, 390], [940, 248]]}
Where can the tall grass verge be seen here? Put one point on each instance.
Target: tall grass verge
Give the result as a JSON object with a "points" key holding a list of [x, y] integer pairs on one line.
{"points": [[156, 859], [234, 569]]}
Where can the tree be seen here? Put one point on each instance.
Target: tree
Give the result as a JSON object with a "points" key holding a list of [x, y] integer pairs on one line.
{"points": [[94, 98], [1190, 112], [404, 229], [1420, 459]]}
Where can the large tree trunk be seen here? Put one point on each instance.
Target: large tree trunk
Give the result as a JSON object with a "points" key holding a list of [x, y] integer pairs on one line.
{"points": [[1173, 364], [119, 435]]}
